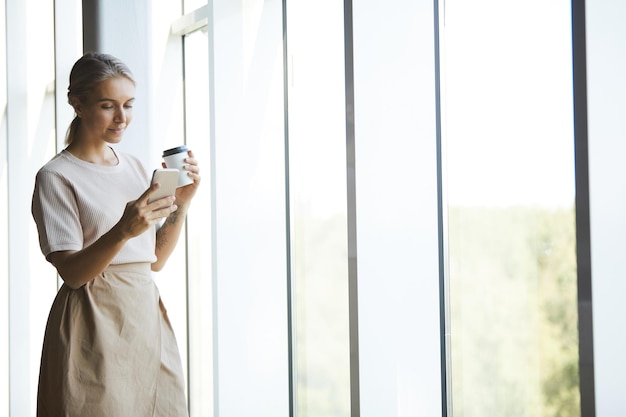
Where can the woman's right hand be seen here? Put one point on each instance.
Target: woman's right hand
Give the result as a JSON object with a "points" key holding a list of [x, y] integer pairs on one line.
{"points": [[139, 215]]}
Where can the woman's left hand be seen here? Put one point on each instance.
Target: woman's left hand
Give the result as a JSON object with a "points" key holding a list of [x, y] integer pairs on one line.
{"points": [[185, 194]]}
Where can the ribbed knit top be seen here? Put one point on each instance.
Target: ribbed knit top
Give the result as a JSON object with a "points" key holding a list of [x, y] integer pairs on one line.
{"points": [[75, 202]]}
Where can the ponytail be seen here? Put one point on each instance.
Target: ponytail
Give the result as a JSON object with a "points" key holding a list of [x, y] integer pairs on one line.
{"points": [[71, 130]]}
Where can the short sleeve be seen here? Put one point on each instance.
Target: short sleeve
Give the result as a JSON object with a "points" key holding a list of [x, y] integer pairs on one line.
{"points": [[55, 211]]}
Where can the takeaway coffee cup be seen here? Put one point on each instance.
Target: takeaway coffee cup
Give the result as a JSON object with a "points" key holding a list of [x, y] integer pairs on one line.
{"points": [[175, 158]]}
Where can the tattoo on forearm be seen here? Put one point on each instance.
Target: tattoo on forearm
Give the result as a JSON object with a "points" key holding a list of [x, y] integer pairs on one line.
{"points": [[161, 238], [172, 218]]}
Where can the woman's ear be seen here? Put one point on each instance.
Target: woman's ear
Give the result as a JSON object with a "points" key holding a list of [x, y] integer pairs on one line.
{"points": [[77, 107]]}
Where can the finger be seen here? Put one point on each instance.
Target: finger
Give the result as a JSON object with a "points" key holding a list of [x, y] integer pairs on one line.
{"points": [[161, 203], [195, 169], [191, 162], [146, 194], [163, 212]]}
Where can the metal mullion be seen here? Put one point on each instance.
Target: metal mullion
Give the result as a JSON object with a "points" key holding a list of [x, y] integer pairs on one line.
{"points": [[583, 228], [353, 309]]}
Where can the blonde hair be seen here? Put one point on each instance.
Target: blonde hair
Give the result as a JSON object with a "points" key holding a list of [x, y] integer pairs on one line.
{"points": [[90, 70]]}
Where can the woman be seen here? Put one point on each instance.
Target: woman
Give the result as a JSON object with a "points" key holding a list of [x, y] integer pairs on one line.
{"points": [[109, 349]]}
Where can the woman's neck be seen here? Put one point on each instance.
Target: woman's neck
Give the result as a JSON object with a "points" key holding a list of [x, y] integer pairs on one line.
{"points": [[99, 155]]}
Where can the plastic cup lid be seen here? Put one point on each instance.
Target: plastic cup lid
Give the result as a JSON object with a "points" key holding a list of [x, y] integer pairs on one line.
{"points": [[175, 150]]}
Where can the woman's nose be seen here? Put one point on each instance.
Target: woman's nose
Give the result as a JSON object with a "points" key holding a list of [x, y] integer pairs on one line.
{"points": [[120, 116]]}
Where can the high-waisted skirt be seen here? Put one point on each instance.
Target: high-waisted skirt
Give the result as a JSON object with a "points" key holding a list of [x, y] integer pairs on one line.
{"points": [[109, 350]]}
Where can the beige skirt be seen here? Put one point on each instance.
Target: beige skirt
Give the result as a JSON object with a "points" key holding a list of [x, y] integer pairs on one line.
{"points": [[109, 350]]}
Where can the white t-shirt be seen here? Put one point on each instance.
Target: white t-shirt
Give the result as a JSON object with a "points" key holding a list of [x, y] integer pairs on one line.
{"points": [[75, 202]]}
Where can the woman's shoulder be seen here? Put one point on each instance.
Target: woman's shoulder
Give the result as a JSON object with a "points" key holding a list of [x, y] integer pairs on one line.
{"points": [[53, 175], [55, 166]]}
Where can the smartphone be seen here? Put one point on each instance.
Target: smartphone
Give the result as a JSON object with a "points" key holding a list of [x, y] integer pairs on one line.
{"points": [[168, 178]]}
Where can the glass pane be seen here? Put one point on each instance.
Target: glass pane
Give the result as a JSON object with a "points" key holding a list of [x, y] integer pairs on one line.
{"points": [[199, 250], [509, 151], [605, 90], [317, 176], [250, 228], [397, 213]]}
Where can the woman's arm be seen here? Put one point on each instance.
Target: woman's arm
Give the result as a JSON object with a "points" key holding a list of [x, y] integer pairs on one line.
{"points": [[167, 237], [168, 234], [77, 268]]}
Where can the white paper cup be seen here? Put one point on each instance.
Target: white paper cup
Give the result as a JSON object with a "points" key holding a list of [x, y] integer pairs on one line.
{"points": [[174, 158]]}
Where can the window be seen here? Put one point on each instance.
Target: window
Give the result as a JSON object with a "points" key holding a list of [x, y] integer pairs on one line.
{"points": [[318, 202], [509, 152], [199, 226]]}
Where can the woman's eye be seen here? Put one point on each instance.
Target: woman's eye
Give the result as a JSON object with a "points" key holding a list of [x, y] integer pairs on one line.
{"points": [[107, 107]]}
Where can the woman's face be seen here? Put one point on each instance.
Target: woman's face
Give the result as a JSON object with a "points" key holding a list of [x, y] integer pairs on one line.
{"points": [[108, 111]]}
